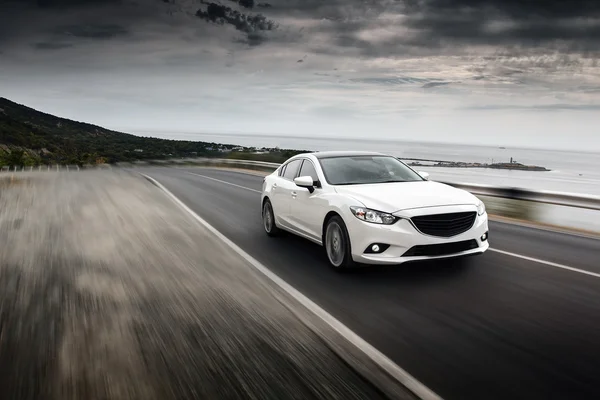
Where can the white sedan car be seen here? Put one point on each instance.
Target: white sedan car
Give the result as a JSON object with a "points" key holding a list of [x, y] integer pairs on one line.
{"points": [[371, 208]]}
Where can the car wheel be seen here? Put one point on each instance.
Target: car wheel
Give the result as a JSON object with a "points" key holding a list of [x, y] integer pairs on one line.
{"points": [[337, 244], [268, 218]]}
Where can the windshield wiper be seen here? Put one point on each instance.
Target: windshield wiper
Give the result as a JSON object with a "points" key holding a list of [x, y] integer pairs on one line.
{"points": [[391, 181]]}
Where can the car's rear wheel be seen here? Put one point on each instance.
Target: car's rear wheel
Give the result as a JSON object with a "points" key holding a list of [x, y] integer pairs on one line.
{"points": [[268, 218], [337, 244]]}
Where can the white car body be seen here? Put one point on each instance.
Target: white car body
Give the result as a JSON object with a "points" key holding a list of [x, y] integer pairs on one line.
{"points": [[305, 211]]}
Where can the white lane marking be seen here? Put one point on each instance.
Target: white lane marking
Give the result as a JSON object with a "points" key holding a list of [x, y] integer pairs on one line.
{"points": [[225, 182], [537, 260], [375, 355]]}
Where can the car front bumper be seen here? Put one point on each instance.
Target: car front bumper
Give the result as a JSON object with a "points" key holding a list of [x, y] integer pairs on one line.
{"points": [[403, 236]]}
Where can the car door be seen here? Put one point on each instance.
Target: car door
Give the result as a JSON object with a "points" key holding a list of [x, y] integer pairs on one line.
{"points": [[306, 208], [274, 194], [282, 192]]}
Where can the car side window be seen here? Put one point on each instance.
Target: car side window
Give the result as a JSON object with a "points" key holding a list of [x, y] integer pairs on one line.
{"points": [[282, 170], [291, 169], [308, 169]]}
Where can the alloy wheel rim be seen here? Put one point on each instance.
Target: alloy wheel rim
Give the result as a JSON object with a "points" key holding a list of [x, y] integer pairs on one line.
{"points": [[335, 244], [267, 218]]}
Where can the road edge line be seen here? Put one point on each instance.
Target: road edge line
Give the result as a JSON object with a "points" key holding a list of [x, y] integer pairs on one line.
{"points": [[395, 371], [251, 172], [224, 182]]}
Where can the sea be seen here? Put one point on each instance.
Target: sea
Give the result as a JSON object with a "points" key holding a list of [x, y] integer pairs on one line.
{"points": [[572, 172]]}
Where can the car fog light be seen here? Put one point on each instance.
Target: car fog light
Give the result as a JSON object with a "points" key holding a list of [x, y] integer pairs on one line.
{"points": [[484, 237], [376, 248]]}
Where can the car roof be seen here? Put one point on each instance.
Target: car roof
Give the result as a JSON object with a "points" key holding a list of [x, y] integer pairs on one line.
{"points": [[330, 154]]}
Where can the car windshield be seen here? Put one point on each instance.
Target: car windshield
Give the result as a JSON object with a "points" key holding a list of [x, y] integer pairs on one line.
{"points": [[356, 170]]}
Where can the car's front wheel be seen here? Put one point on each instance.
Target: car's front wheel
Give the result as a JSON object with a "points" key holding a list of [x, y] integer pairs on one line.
{"points": [[337, 244], [268, 218]]}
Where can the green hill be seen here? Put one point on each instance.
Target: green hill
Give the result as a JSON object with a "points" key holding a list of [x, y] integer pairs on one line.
{"points": [[30, 137]]}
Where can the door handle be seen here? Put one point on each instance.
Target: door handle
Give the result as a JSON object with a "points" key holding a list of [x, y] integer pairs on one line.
{"points": [[294, 194], [274, 186]]}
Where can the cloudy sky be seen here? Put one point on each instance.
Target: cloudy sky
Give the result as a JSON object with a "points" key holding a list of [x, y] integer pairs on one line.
{"points": [[501, 72]]}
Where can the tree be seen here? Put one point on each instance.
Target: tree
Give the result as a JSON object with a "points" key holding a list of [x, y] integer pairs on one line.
{"points": [[15, 158]]}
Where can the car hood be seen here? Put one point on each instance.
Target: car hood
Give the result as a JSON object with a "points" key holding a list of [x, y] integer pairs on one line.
{"points": [[393, 197]]}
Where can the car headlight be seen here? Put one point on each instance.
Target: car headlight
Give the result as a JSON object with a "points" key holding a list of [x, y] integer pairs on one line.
{"points": [[480, 208], [373, 216]]}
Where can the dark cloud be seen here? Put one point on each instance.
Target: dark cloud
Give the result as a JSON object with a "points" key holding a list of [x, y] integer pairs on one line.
{"points": [[573, 24], [435, 84], [335, 10], [414, 27], [244, 3], [388, 81], [391, 82], [244, 22], [92, 31], [251, 24], [589, 89], [434, 25], [515, 9], [51, 46], [60, 19], [63, 3], [252, 39]]}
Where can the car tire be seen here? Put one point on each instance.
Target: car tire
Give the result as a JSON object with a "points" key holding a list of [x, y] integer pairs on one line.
{"points": [[337, 244], [268, 218]]}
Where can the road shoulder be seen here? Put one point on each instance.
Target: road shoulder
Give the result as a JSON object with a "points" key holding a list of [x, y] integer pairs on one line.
{"points": [[127, 297]]}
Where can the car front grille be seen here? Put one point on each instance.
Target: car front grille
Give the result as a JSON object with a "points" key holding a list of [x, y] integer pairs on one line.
{"points": [[445, 225], [443, 249]]}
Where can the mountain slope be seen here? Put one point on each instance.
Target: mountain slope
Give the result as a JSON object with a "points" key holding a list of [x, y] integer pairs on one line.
{"points": [[31, 137]]}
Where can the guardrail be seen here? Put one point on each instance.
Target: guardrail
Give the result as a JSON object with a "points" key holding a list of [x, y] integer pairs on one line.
{"points": [[539, 196]]}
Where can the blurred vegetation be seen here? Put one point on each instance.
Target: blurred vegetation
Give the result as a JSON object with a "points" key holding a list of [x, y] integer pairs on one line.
{"points": [[29, 138], [274, 155]]}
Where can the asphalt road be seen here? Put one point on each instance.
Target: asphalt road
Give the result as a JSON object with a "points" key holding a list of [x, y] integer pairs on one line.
{"points": [[499, 327]]}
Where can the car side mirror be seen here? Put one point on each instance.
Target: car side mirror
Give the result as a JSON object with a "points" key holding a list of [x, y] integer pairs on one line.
{"points": [[424, 175], [305, 182]]}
